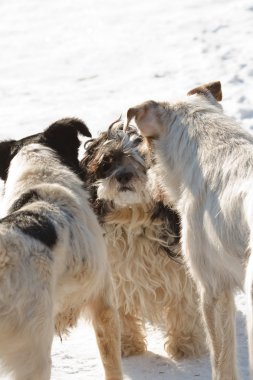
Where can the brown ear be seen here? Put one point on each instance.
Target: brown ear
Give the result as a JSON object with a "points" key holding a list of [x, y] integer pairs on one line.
{"points": [[146, 119], [213, 87]]}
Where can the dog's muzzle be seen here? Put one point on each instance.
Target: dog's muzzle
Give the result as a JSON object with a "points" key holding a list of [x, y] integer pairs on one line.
{"points": [[124, 177]]}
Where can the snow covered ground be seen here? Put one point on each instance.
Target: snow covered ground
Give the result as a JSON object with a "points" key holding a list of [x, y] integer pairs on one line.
{"points": [[94, 59]]}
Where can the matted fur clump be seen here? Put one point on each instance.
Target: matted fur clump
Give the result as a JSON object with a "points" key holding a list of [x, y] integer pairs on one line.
{"points": [[142, 239], [53, 262]]}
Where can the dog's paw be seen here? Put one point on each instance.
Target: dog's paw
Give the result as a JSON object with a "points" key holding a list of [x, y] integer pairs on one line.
{"points": [[133, 348], [185, 347]]}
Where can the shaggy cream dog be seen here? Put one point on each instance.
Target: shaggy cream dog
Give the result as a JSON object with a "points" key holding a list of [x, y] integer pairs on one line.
{"points": [[143, 245], [53, 262], [204, 163]]}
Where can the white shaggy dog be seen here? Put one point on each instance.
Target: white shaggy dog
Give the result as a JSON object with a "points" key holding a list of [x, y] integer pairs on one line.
{"points": [[53, 263], [204, 162]]}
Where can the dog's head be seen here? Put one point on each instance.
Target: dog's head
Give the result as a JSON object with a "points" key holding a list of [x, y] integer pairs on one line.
{"points": [[61, 136], [155, 120], [151, 116], [115, 165]]}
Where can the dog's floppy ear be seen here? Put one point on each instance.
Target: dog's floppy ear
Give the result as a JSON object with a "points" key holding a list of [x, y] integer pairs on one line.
{"points": [[5, 157], [146, 117], [62, 137], [213, 87], [67, 127]]}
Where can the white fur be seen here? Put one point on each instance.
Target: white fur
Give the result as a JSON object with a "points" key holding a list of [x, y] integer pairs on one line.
{"points": [[205, 166], [109, 189], [39, 294]]}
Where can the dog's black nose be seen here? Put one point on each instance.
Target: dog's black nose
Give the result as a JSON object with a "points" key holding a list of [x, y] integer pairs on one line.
{"points": [[124, 177]]}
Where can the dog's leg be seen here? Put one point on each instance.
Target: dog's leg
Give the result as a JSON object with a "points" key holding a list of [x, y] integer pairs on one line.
{"points": [[210, 317], [32, 359], [106, 325], [29, 335], [219, 317], [217, 303], [132, 335], [37, 367], [249, 294], [184, 326]]}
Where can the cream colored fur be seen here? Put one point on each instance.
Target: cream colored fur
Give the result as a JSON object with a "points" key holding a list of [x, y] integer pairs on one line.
{"points": [[151, 286], [141, 235], [204, 163]]}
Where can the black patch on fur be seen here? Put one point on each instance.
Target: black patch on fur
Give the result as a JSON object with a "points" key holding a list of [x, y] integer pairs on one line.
{"points": [[34, 224], [172, 222], [169, 215], [100, 206], [5, 157], [26, 198]]}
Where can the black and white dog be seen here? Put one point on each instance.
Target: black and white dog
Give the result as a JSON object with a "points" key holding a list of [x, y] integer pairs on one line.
{"points": [[53, 263]]}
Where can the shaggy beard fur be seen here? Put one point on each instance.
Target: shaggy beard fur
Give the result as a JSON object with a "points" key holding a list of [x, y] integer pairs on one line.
{"points": [[53, 262], [143, 247], [204, 162]]}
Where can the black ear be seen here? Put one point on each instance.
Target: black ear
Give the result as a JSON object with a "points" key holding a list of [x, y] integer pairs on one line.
{"points": [[5, 158], [67, 127], [62, 137]]}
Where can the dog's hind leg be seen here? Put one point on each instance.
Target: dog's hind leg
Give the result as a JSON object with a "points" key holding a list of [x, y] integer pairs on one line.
{"points": [[32, 358], [106, 325], [219, 317], [133, 340], [249, 294], [38, 367]]}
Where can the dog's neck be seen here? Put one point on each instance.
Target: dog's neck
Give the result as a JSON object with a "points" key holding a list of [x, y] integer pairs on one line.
{"points": [[129, 214], [178, 152]]}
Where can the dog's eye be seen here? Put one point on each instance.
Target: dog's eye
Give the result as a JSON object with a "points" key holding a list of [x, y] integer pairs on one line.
{"points": [[137, 141], [105, 165]]}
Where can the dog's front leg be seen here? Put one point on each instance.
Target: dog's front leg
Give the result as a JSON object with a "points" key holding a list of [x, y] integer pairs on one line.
{"points": [[133, 340], [106, 325], [219, 318]]}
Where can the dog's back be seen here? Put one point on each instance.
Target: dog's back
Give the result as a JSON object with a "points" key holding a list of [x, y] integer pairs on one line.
{"points": [[52, 257]]}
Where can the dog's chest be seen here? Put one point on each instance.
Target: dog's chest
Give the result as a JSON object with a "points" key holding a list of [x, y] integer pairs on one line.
{"points": [[129, 239]]}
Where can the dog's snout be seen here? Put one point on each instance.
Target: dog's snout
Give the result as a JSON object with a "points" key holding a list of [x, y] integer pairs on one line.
{"points": [[124, 177]]}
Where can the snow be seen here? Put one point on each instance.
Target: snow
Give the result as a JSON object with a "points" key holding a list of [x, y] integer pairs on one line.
{"points": [[94, 59]]}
